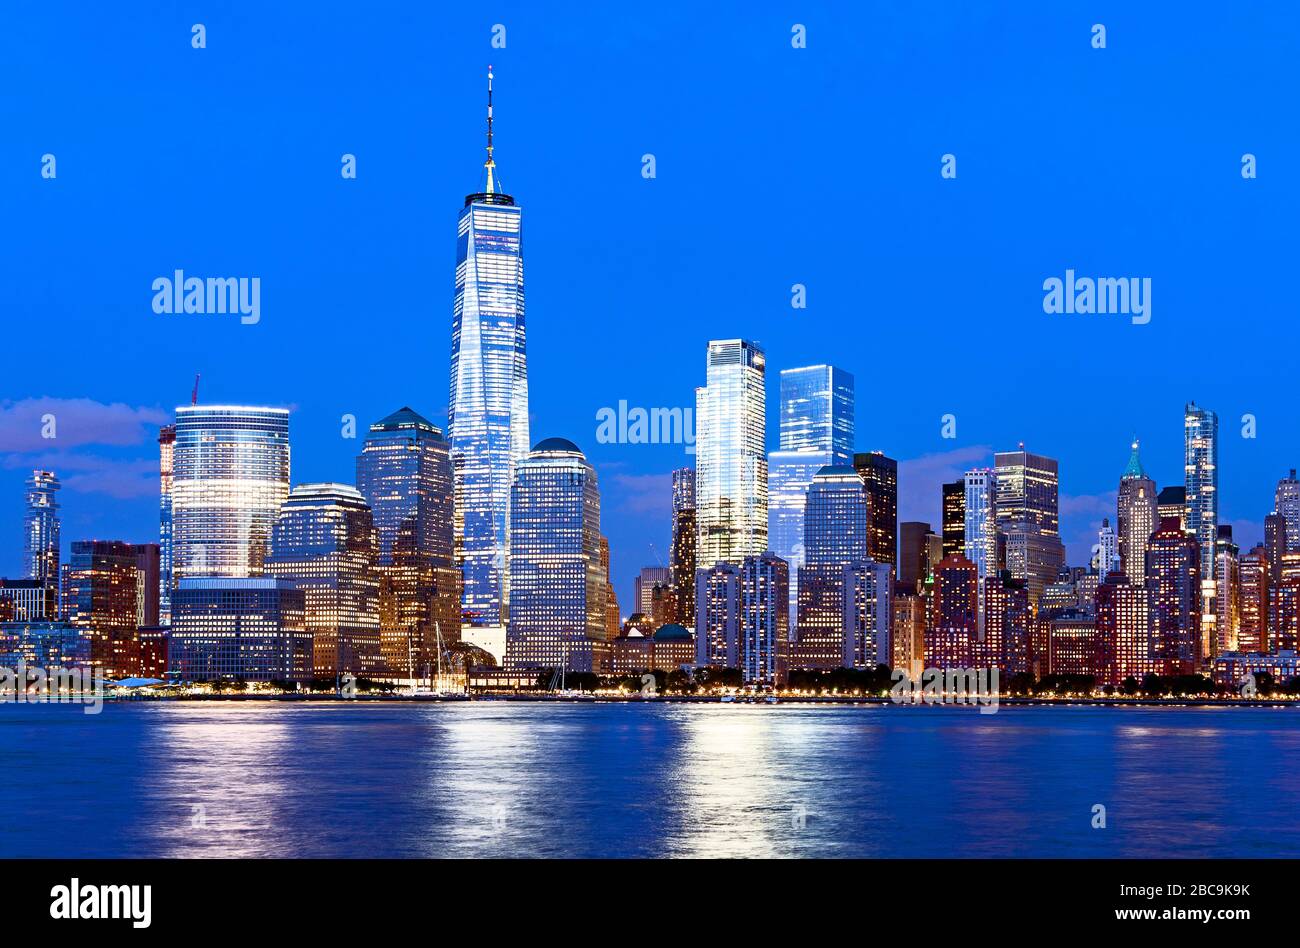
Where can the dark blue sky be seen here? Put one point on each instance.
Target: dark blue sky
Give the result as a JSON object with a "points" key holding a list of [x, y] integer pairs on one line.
{"points": [[775, 166]]}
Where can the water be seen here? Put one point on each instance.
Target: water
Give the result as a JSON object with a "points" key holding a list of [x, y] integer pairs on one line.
{"points": [[517, 779]]}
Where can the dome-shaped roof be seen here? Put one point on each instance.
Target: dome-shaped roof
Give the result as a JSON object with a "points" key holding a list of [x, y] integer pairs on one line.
{"points": [[672, 632], [557, 444]]}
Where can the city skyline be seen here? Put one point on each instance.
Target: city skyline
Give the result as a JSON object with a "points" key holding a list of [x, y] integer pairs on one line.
{"points": [[105, 453]]}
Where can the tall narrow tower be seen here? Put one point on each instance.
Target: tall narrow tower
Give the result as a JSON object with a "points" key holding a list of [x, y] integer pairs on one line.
{"points": [[487, 417], [41, 529], [1136, 512]]}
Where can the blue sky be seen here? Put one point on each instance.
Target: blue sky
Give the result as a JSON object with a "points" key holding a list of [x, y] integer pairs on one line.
{"points": [[775, 166]]}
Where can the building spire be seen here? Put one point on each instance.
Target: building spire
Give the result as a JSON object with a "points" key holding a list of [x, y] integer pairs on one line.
{"points": [[489, 165], [1134, 469]]}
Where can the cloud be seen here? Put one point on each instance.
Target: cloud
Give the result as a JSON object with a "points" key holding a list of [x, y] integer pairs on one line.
{"points": [[76, 422], [921, 480], [1088, 505], [120, 478]]}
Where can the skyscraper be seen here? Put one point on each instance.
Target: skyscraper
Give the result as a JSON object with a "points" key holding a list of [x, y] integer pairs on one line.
{"points": [[101, 597], [41, 529], [914, 553], [764, 618], [1254, 579], [682, 564], [981, 540], [951, 632], [1107, 550], [717, 622], [730, 462], [835, 538], [868, 611], [324, 544], [166, 451], [954, 519], [1201, 480], [487, 418], [817, 429], [1173, 568], [880, 481], [1135, 509], [1227, 595], [404, 472], [1171, 503], [557, 586], [1026, 511], [817, 406], [230, 476], [1286, 501]]}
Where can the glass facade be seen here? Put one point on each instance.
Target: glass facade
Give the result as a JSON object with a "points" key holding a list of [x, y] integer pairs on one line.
{"points": [[764, 617], [557, 583], [230, 476], [324, 544], [1201, 480], [880, 480], [249, 628], [817, 405], [835, 537], [487, 420], [166, 454], [101, 599], [41, 528], [404, 471], [817, 429], [730, 460]]}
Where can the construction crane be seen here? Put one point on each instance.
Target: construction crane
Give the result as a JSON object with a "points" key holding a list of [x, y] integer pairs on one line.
{"points": [[194, 396]]}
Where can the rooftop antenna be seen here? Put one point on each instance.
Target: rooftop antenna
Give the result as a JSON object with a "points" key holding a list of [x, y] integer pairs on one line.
{"points": [[194, 396], [490, 164]]}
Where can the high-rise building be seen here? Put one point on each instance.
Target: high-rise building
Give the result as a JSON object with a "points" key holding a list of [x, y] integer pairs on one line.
{"points": [[817, 407], [1135, 510], [1253, 573], [1227, 595], [1026, 490], [914, 553], [1025, 507], [908, 633], [33, 600], [717, 622], [730, 462], [764, 624], [683, 565], [1107, 557], [404, 472], [868, 612], [148, 560], [954, 519], [101, 599], [1006, 643], [557, 586], [324, 544], [41, 529], [789, 474], [242, 628], [1174, 578], [613, 626], [952, 631], [166, 452], [981, 536], [230, 476], [1201, 480], [1171, 503], [487, 417], [1286, 501], [835, 538], [880, 479], [1123, 627], [644, 585]]}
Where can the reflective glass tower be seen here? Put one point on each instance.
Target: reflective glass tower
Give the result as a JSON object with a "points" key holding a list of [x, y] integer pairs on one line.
{"points": [[730, 461], [324, 544], [230, 475], [166, 452], [835, 537], [404, 472], [816, 415], [487, 420], [1201, 480], [557, 583], [41, 529]]}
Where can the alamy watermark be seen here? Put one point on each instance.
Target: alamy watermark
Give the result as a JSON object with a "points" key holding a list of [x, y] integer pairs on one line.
{"points": [[212, 296], [1129, 296], [32, 684], [624, 425], [962, 686]]}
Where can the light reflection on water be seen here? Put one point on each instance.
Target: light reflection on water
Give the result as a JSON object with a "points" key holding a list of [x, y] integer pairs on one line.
{"points": [[499, 778]]}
